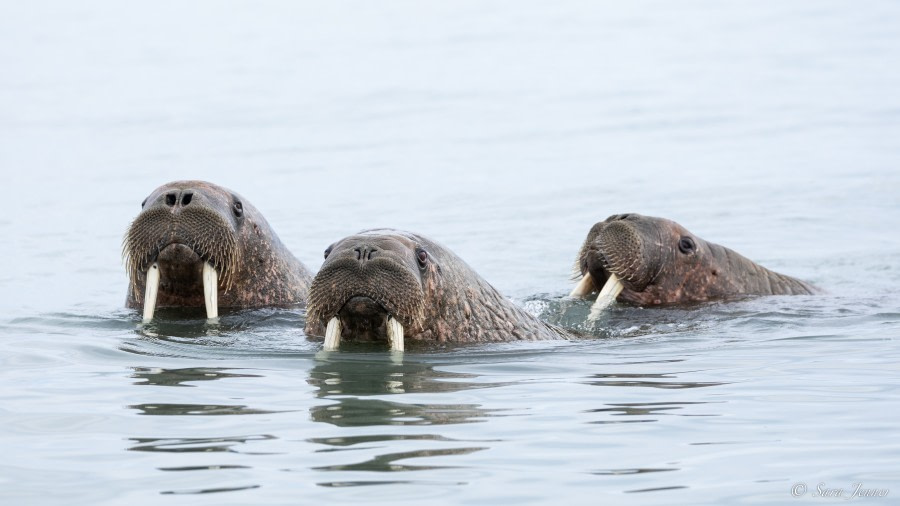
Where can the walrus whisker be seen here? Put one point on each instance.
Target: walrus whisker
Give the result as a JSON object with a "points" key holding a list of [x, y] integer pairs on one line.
{"points": [[332, 288], [577, 266], [631, 270]]}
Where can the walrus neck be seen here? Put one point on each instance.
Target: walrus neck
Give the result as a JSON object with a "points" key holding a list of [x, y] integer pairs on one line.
{"points": [[763, 281], [754, 278], [474, 311], [275, 267]]}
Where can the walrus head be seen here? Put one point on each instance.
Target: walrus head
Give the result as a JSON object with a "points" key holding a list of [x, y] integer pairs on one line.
{"points": [[195, 243], [186, 237], [390, 286], [646, 260]]}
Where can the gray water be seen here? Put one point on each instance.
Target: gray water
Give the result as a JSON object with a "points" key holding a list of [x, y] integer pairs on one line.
{"points": [[503, 130]]}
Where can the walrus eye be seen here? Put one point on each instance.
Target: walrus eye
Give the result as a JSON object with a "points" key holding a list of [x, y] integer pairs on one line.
{"points": [[144, 203], [238, 208], [686, 245], [421, 256], [328, 251]]}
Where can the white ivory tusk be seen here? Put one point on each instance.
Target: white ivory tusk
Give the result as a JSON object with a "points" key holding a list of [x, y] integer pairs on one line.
{"points": [[395, 334], [332, 334], [584, 287], [608, 294], [150, 292], [211, 291]]}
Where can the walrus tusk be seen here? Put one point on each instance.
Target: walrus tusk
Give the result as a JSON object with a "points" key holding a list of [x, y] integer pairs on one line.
{"points": [[584, 287], [150, 292], [608, 294], [395, 334], [211, 291], [332, 334]]}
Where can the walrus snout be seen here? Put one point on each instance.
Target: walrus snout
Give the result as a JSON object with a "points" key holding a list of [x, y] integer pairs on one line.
{"points": [[617, 246], [200, 228], [625, 252], [366, 266], [619, 257]]}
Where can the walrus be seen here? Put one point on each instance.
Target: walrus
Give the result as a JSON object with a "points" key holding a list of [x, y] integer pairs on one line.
{"points": [[650, 261], [195, 243], [391, 286]]}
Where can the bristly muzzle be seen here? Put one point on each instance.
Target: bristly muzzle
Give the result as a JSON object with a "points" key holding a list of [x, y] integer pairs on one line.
{"points": [[210, 236], [622, 253], [389, 284]]}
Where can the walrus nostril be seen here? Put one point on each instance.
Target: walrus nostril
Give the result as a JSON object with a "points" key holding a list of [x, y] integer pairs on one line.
{"points": [[186, 198], [365, 253], [171, 199]]}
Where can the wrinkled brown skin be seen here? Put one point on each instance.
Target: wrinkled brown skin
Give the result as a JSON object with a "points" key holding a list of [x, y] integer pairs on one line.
{"points": [[439, 300], [255, 269], [645, 253]]}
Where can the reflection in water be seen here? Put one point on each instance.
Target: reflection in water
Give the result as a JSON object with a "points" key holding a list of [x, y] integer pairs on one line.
{"points": [[643, 412], [638, 409], [198, 409], [352, 381], [343, 484], [388, 461], [348, 441], [657, 489], [638, 380], [176, 377], [204, 446], [208, 490], [202, 468], [353, 412], [646, 408], [625, 472], [378, 374], [192, 445], [346, 376]]}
